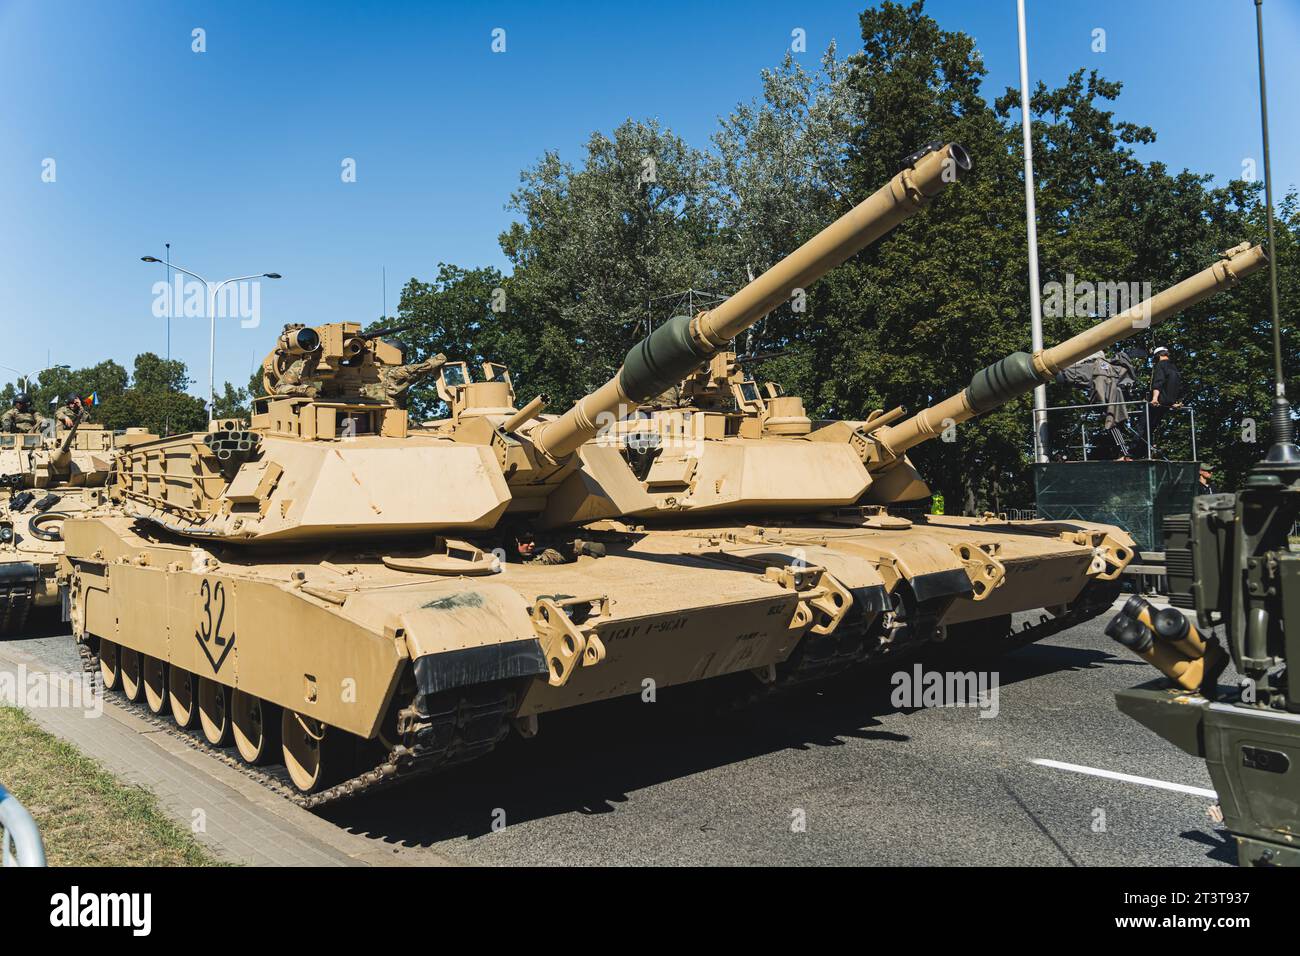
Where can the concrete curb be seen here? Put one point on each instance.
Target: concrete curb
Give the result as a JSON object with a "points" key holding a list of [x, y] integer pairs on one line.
{"points": [[241, 822]]}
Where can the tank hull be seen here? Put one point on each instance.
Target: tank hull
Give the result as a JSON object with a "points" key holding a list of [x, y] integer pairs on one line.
{"points": [[351, 640], [41, 481], [371, 644]]}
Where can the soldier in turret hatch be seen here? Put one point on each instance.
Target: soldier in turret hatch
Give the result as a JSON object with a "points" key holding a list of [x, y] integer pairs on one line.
{"points": [[395, 381], [70, 412], [22, 418], [297, 378]]}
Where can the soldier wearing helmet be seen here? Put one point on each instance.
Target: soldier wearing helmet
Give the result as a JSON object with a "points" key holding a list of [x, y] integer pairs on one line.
{"points": [[22, 418], [70, 412]]}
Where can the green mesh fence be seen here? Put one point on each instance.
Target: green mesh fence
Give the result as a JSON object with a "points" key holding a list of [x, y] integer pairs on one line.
{"points": [[1136, 495]]}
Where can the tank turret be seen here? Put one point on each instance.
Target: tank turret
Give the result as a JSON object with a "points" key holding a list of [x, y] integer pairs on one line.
{"points": [[329, 452]]}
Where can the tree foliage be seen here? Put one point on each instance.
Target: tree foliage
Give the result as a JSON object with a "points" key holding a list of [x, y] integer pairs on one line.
{"points": [[600, 246], [152, 396]]}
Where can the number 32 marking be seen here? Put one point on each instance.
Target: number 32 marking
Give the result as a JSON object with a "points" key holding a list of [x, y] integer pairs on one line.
{"points": [[209, 629]]}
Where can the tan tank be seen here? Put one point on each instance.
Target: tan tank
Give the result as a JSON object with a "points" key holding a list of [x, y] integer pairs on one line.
{"points": [[44, 478], [337, 589], [721, 445], [362, 598]]}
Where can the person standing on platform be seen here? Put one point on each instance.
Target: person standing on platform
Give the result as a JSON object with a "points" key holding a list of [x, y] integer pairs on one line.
{"points": [[1204, 485], [1166, 392]]}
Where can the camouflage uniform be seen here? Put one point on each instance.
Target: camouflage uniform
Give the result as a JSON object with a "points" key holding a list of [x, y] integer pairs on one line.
{"points": [[671, 397], [26, 422], [548, 556], [395, 381], [66, 412], [296, 379]]}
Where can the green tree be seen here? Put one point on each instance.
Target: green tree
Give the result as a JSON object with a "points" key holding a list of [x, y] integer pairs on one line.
{"points": [[454, 315], [595, 245], [155, 374], [232, 402], [910, 319]]}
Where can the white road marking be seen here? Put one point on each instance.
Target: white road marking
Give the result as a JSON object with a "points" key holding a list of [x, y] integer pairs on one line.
{"points": [[1128, 778]]}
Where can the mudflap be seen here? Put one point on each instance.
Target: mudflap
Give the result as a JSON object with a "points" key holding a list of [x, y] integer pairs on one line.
{"points": [[463, 667], [18, 582]]}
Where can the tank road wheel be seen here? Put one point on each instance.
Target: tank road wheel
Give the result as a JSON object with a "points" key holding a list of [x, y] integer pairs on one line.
{"points": [[255, 727], [314, 754], [214, 712], [153, 675], [128, 665], [109, 671], [182, 690]]}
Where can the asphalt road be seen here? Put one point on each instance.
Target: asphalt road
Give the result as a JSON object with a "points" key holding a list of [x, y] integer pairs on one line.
{"points": [[838, 776]]}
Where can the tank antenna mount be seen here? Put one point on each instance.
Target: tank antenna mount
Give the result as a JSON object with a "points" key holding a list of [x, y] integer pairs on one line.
{"points": [[1283, 451]]}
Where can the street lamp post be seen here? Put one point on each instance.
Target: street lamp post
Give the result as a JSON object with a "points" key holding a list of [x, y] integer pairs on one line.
{"points": [[27, 379], [213, 289]]}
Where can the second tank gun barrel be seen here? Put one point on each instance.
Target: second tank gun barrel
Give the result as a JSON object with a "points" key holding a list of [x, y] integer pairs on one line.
{"points": [[1020, 372], [679, 346]]}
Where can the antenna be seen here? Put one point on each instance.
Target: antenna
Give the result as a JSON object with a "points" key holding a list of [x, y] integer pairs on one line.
{"points": [[1284, 450]]}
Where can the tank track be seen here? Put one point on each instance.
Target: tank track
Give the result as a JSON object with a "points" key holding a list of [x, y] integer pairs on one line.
{"points": [[462, 728], [15, 604], [1096, 600], [838, 653]]}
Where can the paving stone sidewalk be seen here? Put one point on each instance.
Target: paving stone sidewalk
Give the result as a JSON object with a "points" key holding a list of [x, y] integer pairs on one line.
{"points": [[242, 822]]}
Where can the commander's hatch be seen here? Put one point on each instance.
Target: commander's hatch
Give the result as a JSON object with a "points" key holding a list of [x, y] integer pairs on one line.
{"points": [[493, 395], [452, 379]]}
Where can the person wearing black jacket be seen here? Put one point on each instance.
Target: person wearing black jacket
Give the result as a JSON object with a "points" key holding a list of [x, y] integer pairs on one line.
{"points": [[1166, 391]]}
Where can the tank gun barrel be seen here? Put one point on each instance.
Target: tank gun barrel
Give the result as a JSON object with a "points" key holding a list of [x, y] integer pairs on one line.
{"points": [[378, 333], [1019, 373], [62, 453], [677, 347]]}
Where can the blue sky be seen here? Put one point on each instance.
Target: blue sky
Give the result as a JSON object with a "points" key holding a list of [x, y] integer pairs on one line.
{"points": [[234, 154]]}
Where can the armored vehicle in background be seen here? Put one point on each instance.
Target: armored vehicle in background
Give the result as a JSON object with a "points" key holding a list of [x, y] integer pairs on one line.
{"points": [[44, 478], [1230, 560]]}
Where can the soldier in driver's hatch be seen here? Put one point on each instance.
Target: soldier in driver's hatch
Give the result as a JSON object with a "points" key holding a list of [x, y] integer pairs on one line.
{"points": [[21, 418], [526, 546]]}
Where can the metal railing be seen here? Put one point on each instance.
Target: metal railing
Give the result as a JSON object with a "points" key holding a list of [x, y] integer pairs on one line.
{"points": [[20, 838], [1146, 420]]}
